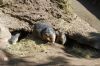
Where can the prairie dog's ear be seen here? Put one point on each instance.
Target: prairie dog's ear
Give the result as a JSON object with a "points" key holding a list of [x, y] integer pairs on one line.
{"points": [[56, 29]]}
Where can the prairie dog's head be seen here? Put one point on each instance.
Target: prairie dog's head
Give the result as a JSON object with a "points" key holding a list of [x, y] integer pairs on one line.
{"points": [[46, 36], [49, 37]]}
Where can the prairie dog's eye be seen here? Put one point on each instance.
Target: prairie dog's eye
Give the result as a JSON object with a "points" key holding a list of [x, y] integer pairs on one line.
{"points": [[46, 37], [47, 34]]}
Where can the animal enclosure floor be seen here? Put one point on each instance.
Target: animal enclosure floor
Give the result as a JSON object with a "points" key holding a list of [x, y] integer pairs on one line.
{"points": [[88, 12]]}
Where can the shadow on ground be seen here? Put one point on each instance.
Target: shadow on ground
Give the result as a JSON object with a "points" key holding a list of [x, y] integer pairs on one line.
{"points": [[84, 47], [53, 61], [56, 61]]}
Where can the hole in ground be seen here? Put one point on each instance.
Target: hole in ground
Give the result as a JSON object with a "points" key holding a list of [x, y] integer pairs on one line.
{"points": [[23, 33]]}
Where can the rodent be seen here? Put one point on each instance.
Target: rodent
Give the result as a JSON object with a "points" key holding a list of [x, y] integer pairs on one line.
{"points": [[61, 37], [45, 31]]}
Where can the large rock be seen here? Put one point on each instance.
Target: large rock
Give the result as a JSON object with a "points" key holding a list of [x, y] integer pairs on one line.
{"points": [[13, 23], [5, 35]]}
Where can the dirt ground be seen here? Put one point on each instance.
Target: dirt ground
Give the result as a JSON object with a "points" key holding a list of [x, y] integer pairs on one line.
{"points": [[40, 54], [88, 12]]}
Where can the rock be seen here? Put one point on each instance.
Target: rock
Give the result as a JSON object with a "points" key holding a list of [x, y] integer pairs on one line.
{"points": [[3, 56], [5, 35], [14, 38], [13, 23]]}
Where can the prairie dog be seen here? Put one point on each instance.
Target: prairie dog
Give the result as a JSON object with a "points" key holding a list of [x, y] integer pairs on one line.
{"points": [[45, 31], [60, 37]]}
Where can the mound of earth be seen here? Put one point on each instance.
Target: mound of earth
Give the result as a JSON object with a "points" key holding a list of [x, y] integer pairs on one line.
{"points": [[22, 14]]}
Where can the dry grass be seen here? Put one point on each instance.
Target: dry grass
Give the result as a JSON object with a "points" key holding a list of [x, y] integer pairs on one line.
{"points": [[26, 47]]}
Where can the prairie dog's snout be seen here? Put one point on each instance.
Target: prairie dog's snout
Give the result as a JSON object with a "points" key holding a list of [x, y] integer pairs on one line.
{"points": [[49, 37]]}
